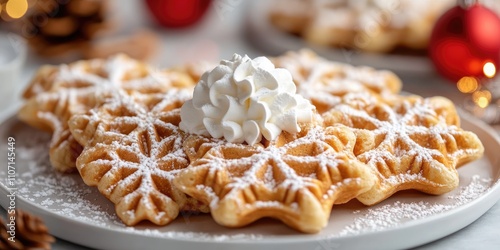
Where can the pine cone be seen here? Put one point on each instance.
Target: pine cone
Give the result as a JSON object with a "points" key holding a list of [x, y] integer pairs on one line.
{"points": [[53, 28], [30, 233]]}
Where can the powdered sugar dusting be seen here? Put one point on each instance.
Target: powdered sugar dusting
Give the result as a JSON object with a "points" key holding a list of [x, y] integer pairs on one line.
{"points": [[271, 159], [293, 179], [116, 72], [408, 141], [392, 215], [67, 196], [325, 82], [150, 150]]}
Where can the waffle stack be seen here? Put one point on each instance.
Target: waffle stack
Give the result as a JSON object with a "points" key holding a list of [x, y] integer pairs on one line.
{"points": [[365, 141]]}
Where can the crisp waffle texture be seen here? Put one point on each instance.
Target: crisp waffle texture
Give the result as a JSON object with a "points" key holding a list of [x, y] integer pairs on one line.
{"points": [[295, 179], [413, 143], [58, 92], [116, 121], [324, 82], [132, 153]]}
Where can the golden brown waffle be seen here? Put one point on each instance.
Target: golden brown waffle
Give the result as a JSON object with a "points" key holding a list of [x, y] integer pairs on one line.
{"points": [[295, 179], [58, 92], [196, 69], [120, 119], [414, 143], [132, 152], [325, 82]]}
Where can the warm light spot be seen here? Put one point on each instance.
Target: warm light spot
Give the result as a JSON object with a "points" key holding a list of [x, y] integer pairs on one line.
{"points": [[16, 8], [482, 98], [467, 84], [489, 69], [482, 102]]}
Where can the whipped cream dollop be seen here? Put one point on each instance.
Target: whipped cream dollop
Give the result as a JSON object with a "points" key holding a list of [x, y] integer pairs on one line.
{"points": [[243, 99]]}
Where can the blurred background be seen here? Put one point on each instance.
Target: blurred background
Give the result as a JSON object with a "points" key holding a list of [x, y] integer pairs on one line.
{"points": [[445, 47]]}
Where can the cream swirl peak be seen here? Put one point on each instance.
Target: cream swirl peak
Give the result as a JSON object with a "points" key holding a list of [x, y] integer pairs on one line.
{"points": [[244, 99]]}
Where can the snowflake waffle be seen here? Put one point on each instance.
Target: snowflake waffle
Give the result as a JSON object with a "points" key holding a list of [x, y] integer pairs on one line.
{"points": [[58, 92], [325, 82], [295, 178], [414, 143], [132, 153]]}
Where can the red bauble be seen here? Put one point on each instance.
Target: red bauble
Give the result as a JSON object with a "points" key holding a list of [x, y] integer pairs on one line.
{"points": [[463, 40], [178, 13]]}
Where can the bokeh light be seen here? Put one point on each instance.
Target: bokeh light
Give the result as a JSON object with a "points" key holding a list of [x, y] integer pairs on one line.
{"points": [[16, 8], [482, 98], [489, 69], [467, 84]]}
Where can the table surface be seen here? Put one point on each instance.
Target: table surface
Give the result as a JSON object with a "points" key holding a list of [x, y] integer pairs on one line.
{"points": [[221, 34]]}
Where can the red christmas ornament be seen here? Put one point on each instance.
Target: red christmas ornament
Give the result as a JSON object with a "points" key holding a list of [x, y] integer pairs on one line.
{"points": [[178, 13], [464, 39]]}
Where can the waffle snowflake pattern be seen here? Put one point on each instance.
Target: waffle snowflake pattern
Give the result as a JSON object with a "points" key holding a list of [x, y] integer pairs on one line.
{"points": [[296, 178], [132, 152], [415, 143], [58, 92], [325, 82]]}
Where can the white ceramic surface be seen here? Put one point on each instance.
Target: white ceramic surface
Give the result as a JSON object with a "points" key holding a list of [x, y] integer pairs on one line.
{"points": [[78, 213]]}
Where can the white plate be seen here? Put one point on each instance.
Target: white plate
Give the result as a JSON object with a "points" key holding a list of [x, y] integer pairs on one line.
{"points": [[79, 214], [274, 41]]}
